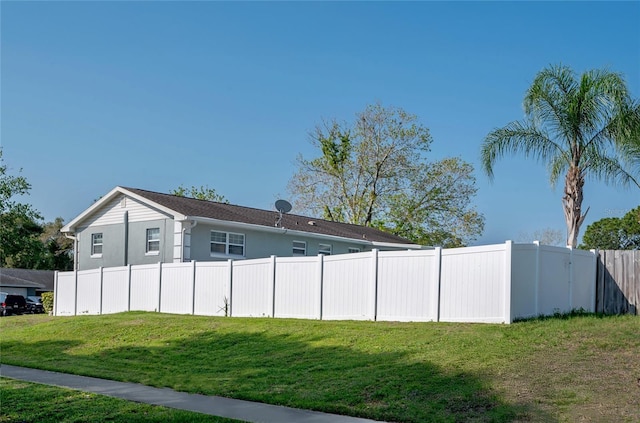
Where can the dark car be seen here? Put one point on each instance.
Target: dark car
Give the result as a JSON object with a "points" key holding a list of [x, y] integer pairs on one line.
{"points": [[34, 305], [12, 304]]}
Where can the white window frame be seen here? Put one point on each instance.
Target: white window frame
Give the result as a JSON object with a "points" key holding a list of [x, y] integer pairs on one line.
{"points": [[95, 244], [300, 249], [148, 250], [228, 244], [354, 250], [324, 249]]}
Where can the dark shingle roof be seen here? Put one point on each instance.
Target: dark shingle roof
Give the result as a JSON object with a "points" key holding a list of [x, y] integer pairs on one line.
{"points": [[208, 209], [27, 278]]}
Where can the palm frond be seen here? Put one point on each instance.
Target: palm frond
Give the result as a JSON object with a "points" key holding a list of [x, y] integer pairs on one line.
{"points": [[606, 168], [557, 168], [519, 137]]}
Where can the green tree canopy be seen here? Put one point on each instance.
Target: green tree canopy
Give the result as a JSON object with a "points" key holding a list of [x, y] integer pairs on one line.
{"points": [[579, 127], [58, 249], [20, 245], [200, 193], [613, 233], [375, 172]]}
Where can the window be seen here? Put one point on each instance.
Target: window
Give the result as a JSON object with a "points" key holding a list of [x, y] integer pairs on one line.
{"points": [[153, 241], [354, 250], [227, 243], [299, 248], [324, 249], [96, 245]]}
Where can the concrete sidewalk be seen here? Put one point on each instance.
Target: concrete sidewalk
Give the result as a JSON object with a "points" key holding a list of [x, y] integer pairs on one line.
{"points": [[212, 405]]}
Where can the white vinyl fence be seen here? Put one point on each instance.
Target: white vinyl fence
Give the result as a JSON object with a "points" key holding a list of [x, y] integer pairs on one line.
{"points": [[491, 284]]}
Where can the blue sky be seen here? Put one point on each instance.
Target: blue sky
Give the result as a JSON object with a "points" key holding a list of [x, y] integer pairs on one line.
{"points": [[155, 95]]}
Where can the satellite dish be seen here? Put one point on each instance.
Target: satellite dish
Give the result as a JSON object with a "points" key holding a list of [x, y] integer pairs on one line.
{"points": [[283, 206]]}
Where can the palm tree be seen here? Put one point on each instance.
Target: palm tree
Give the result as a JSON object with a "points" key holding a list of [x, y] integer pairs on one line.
{"points": [[578, 128]]}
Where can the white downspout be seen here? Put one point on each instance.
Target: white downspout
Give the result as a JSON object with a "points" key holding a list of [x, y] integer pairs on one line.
{"points": [[75, 249], [192, 224]]}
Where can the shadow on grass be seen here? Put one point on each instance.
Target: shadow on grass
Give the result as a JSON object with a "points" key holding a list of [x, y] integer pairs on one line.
{"points": [[302, 371], [575, 313]]}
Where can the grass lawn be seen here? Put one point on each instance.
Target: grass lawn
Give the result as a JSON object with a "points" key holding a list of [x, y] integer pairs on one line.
{"points": [[31, 402], [583, 368]]}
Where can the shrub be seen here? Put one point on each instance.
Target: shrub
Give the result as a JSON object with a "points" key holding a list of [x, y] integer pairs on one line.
{"points": [[47, 301]]}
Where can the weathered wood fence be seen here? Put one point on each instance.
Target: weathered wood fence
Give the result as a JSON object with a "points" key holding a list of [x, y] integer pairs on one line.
{"points": [[618, 282]]}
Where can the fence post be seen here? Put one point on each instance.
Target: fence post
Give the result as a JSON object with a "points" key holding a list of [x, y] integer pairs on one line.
{"points": [[437, 277], [159, 285], [129, 283], [230, 300], [592, 300], [374, 271], [570, 277], [536, 298], [321, 281], [75, 294], [508, 247], [273, 286], [101, 288], [193, 288], [55, 293]]}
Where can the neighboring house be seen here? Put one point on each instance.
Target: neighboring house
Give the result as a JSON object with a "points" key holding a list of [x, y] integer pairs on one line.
{"points": [[134, 226], [26, 282]]}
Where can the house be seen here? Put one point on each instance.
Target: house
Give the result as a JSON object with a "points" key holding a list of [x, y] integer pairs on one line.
{"points": [[26, 282], [135, 226]]}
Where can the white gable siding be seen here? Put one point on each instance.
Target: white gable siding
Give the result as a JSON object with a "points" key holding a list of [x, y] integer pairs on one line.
{"points": [[112, 213]]}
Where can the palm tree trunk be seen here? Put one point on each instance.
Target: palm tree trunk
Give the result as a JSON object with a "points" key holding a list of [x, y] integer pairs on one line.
{"points": [[572, 204]]}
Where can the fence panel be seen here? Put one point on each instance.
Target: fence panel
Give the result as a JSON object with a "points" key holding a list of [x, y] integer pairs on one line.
{"points": [[298, 283], [252, 288], [89, 292], [553, 288], [524, 281], [65, 295], [495, 283], [212, 291], [472, 286], [408, 285], [348, 287], [115, 289], [177, 288], [618, 282], [583, 284], [145, 287]]}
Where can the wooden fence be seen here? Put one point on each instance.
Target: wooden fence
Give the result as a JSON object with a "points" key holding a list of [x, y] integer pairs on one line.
{"points": [[618, 282]]}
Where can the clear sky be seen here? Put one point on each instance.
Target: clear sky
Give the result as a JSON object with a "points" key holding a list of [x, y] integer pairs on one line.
{"points": [[154, 95]]}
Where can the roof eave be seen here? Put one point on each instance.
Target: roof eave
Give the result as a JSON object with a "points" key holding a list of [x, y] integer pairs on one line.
{"points": [[397, 245], [263, 228]]}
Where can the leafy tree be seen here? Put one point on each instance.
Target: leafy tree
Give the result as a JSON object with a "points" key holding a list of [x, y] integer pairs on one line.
{"points": [[375, 172], [578, 127], [201, 193], [58, 249], [613, 233], [19, 228]]}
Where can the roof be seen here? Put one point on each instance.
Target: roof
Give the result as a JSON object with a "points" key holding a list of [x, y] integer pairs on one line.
{"points": [[184, 208], [27, 278], [222, 211]]}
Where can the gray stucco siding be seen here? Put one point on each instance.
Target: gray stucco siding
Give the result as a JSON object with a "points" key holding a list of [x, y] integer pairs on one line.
{"points": [[113, 244], [112, 247], [259, 244], [138, 242]]}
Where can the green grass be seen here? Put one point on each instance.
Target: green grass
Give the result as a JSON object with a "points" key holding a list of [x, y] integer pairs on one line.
{"points": [[564, 369], [31, 402]]}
